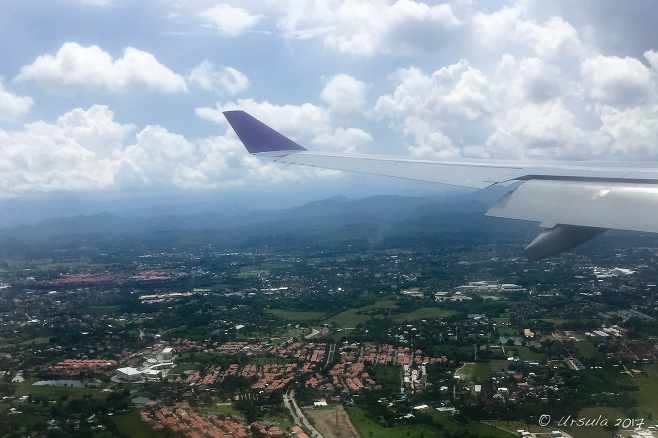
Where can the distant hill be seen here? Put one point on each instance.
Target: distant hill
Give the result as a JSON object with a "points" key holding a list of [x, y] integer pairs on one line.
{"points": [[314, 215], [334, 224], [30, 210], [373, 222]]}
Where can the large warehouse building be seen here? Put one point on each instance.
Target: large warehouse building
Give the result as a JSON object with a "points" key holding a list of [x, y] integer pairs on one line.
{"points": [[129, 374]]}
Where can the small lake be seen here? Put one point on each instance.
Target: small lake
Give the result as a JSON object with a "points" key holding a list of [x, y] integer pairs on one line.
{"points": [[75, 383]]}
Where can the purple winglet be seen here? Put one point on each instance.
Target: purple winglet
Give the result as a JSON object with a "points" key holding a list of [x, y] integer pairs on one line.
{"points": [[257, 136]]}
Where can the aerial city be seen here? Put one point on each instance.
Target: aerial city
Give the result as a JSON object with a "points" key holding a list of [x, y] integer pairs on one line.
{"points": [[352, 218]]}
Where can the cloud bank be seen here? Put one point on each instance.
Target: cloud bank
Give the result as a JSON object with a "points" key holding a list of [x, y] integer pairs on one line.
{"points": [[511, 80]]}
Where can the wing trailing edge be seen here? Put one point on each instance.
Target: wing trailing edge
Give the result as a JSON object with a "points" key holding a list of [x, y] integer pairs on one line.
{"points": [[573, 202]]}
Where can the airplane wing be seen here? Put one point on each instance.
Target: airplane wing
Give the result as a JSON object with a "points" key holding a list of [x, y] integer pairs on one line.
{"points": [[573, 202]]}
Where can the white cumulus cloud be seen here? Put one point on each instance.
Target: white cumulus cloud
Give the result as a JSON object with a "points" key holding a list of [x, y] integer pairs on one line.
{"points": [[345, 95], [12, 106], [87, 150], [209, 77], [75, 67], [369, 27], [528, 108], [432, 110], [229, 20], [46, 157], [617, 81], [509, 29]]}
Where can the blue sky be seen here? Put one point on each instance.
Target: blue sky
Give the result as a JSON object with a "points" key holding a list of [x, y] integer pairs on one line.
{"points": [[117, 97]]}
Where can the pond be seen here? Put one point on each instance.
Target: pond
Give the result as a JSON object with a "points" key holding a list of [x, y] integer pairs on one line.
{"points": [[61, 382]]}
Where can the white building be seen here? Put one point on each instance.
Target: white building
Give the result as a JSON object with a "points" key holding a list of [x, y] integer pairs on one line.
{"points": [[152, 374], [129, 374], [166, 354]]}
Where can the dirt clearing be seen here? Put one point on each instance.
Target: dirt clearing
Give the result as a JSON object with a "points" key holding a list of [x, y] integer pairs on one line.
{"points": [[325, 421]]}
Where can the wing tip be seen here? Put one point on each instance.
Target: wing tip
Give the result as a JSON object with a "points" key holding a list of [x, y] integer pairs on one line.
{"points": [[257, 137]]}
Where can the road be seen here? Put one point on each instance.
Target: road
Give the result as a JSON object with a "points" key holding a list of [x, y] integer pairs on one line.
{"points": [[297, 414]]}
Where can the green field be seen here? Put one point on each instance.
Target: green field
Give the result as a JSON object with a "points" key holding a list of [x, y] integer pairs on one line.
{"points": [[45, 265], [524, 353], [471, 371], [498, 365], [508, 332], [131, 425], [33, 341], [290, 315], [349, 318], [593, 431], [180, 369], [513, 426], [389, 377], [365, 427], [352, 317], [588, 350], [474, 427], [466, 371], [646, 396], [252, 271], [386, 303], [483, 371], [283, 419], [55, 392], [337, 336], [424, 313], [368, 428]]}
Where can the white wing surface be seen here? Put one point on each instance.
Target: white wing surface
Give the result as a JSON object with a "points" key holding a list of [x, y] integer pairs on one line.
{"points": [[574, 202]]}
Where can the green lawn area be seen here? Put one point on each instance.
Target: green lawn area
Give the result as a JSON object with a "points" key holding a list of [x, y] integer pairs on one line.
{"points": [[475, 370], [507, 331], [42, 340], [466, 371], [366, 428], [33, 341], [252, 271], [264, 360], [558, 321], [499, 365], [594, 431], [476, 428], [290, 315], [588, 350], [388, 376], [283, 419], [524, 353], [386, 303], [348, 318], [337, 336], [424, 313], [513, 426], [55, 392], [45, 265], [483, 371], [505, 320], [443, 424], [131, 425], [179, 369], [352, 317], [646, 396]]}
